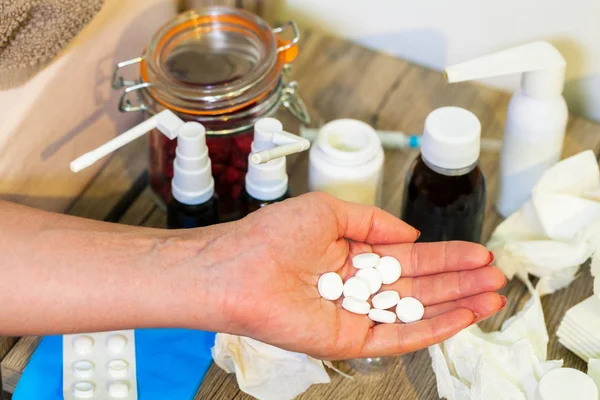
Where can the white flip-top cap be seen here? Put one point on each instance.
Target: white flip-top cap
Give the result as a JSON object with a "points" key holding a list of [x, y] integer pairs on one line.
{"points": [[566, 383], [192, 182], [451, 138]]}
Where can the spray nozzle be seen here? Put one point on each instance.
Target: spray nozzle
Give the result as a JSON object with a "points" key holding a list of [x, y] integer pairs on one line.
{"points": [[165, 121], [271, 141], [542, 65]]}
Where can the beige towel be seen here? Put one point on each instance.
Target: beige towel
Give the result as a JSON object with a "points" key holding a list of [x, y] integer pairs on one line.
{"points": [[33, 32]]}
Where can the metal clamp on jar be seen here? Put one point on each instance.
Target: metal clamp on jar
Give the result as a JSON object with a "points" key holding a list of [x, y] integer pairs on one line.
{"points": [[220, 66]]}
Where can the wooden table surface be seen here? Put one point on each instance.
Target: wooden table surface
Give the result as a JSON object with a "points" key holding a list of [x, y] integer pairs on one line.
{"points": [[340, 79]]}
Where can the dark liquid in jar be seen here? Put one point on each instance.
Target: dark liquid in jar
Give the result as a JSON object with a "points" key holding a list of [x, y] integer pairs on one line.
{"points": [[444, 207]]}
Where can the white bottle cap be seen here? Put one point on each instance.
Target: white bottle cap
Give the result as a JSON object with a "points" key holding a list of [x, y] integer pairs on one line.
{"points": [[267, 177], [451, 138], [192, 182], [566, 383]]}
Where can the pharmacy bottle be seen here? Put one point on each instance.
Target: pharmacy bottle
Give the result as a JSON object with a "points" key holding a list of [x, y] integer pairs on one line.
{"points": [[267, 179], [346, 162], [445, 190], [536, 119]]}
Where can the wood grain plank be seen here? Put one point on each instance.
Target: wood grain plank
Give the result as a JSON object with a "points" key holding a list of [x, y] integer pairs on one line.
{"points": [[14, 363]]}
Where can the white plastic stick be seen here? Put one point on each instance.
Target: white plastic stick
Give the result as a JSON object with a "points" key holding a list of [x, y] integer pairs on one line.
{"points": [[127, 137], [296, 144]]}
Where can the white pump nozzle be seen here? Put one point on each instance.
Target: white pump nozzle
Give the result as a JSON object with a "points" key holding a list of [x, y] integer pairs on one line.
{"points": [[542, 65], [192, 178], [271, 141], [165, 121], [267, 178]]}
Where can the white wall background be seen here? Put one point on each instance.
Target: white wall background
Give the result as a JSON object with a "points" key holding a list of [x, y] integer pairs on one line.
{"points": [[436, 33]]}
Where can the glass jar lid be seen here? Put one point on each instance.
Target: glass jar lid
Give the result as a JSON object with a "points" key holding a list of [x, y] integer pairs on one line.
{"points": [[214, 60]]}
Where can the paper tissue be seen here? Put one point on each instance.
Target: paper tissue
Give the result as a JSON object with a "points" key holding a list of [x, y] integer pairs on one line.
{"points": [[506, 364], [557, 230], [264, 371], [578, 329]]}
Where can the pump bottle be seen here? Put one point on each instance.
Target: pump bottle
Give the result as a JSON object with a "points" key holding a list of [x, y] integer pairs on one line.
{"points": [[267, 179], [536, 120], [194, 203]]}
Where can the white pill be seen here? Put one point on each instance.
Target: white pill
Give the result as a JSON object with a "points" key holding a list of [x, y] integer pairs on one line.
{"points": [[83, 344], [383, 316], [330, 286], [390, 269], [118, 368], [118, 390], [116, 343], [386, 299], [83, 390], [357, 287], [356, 306], [373, 278], [365, 260], [83, 369], [409, 310]]}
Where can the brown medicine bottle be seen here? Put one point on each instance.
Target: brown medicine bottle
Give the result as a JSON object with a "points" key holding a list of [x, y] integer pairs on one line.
{"points": [[445, 191]]}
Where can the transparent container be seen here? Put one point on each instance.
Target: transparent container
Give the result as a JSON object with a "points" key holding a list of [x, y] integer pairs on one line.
{"points": [[225, 68]]}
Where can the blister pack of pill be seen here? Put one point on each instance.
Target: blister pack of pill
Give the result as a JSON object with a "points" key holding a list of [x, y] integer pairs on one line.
{"points": [[99, 366]]}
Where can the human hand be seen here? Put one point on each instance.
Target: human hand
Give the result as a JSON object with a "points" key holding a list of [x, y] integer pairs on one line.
{"points": [[282, 250]]}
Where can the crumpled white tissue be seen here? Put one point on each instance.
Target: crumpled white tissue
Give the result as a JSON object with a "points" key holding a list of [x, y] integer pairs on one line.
{"points": [[505, 364], [264, 371], [557, 230]]}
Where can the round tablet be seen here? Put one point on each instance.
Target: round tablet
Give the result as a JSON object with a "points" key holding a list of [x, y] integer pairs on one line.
{"points": [[330, 286], [566, 383], [116, 343], [386, 299], [383, 316], [390, 269], [409, 310], [373, 278], [357, 287], [356, 306], [118, 390], [83, 344], [83, 390], [83, 369], [118, 368], [365, 260]]}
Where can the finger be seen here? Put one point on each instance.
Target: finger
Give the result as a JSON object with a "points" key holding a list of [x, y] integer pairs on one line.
{"points": [[396, 339], [449, 286], [483, 304], [419, 259], [369, 224]]}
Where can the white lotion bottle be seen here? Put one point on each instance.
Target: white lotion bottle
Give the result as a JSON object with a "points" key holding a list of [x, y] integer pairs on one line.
{"points": [[536, 119]]}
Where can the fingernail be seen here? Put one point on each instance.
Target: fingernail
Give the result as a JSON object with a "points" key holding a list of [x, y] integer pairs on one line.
{"points": [[504, 301], [475, 318], [505, 283], [418, 233], [491, 259]]}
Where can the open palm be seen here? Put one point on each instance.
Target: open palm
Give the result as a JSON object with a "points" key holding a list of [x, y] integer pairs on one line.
{"points": [[286, 247]]}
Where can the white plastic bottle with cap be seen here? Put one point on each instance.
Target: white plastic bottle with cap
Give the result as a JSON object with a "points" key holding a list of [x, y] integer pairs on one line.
{"points": [[536, 120], [194, 203], [445, 191], [347, 162], [267, 179]]}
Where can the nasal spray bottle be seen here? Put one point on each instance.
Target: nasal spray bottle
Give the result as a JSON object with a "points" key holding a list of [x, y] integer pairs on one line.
{"points": [[194, 202], [536, 120], [267, 179]]}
